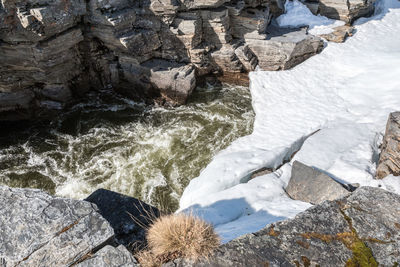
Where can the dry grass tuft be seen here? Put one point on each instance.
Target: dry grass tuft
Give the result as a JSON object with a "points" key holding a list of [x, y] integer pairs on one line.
{"points": [[178, 236]]}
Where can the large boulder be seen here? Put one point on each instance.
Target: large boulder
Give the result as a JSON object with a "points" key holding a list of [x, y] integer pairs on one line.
{"points": [[361, 229], [313, 186], [37, 229], [389, 161]]}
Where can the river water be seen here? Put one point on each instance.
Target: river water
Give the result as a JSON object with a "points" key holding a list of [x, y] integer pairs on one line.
{"points": [[112, 142]]}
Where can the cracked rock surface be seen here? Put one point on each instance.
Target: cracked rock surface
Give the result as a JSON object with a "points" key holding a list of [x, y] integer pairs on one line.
{"points": [[37, 229], [362, 229]]}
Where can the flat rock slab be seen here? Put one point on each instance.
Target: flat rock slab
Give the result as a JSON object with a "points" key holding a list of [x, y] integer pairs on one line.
{"points": [[284, 48], [310, 185], [118, 210], [37, 229], [110, 256], [389, 161], [361, 229]]}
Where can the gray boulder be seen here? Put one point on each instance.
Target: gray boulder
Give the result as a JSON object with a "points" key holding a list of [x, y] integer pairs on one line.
{"points": [[58, 48], [310, 185], [389, 161], [37, 229], [361, 229]]}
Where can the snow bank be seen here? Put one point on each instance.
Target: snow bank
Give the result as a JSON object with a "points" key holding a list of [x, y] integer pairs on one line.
{"points": [[346, 92]]}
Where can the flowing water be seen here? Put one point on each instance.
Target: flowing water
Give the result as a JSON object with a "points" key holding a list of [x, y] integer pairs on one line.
{"points": [[111, 142]]}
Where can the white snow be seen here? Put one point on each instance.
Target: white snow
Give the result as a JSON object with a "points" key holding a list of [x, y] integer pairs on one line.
{"points": [[346, 92], [298, 15]]}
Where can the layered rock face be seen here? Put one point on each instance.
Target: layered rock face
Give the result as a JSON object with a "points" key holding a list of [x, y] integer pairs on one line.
{"points": [[52, 50], [36, 229], [39, 53]]}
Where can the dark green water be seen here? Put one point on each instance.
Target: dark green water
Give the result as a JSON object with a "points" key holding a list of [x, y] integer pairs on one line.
{"points": [[114, 143]]}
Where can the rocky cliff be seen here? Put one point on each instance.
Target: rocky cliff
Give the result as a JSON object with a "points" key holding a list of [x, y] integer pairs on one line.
{"points": [[53, 50]]}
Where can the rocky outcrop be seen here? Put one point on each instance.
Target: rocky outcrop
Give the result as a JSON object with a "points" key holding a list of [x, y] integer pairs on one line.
{"points": [[346, 10], [361, 229], [310, 185], [51, 51], [389, 161], [37, 229]]}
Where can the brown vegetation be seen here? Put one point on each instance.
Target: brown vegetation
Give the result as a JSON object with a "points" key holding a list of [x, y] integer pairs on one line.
{"points": [[178, 236]]}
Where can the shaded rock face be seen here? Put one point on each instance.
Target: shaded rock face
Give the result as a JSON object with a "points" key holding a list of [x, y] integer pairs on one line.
{"points": [[37, 229], [389, 161], [128, 216], [51, 51], [346, 10], [310, 185], [361, 229]]}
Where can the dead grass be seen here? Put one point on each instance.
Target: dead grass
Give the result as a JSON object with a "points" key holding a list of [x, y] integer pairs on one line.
{"points": [[177, 236]]}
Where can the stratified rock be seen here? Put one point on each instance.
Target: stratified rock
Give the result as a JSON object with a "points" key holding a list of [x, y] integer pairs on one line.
{"points": [[20, 101], [389, 161], [284, 48], [226, 59], [37, 229], [246, 57], [196, 4], [188, 29], [118, 210], [339, 34], [358, 230], [110, 256], [216, 26], [15, 100], [250, 23], [310, 185], [58, 49], [347, 11]]}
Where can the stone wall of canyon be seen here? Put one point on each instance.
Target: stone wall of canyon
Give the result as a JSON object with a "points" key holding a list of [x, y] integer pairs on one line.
{"points": [[54, 50]]}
